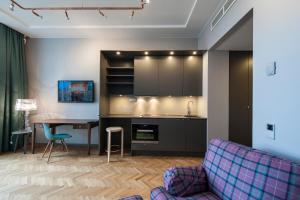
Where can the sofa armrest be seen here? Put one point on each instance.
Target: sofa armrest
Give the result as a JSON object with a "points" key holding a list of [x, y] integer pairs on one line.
{"points": [[134, 197], [184, 181]]}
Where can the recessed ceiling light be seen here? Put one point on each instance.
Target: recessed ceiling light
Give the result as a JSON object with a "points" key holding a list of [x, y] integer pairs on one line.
{"points": [[146, 52], [118, 53], [172, 53], [194, 52]]}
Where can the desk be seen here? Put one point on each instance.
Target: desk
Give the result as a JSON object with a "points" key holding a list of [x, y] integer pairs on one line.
{"points": [[76, 123]]}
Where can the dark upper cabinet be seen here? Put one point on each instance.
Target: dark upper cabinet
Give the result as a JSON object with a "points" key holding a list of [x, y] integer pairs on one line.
{"points": [[170, 76], [192, 76], [146, 76]]}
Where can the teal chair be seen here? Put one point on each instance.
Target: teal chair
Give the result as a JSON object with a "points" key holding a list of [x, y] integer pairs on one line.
{"points": [[53, 138]]}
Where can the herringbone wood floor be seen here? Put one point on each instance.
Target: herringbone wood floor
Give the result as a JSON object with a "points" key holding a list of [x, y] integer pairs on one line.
{"points": [[75, 175]]}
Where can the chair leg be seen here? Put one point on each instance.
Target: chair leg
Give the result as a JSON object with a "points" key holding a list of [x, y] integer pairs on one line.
{"points": [[46, 148], [62, 144], [52, 143], [66, 147], [108, 146], [122, 143]]}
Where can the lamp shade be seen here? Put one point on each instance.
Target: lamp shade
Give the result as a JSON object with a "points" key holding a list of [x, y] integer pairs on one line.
{"points": [[26, 104]]}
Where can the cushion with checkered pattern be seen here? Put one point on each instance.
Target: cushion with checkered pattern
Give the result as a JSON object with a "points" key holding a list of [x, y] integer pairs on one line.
{"points": [[184, 181], [134, 197], [238, 172], [160, 193]]}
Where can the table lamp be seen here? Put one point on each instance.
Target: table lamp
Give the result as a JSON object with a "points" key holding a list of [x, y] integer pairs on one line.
{"points": [[26, 105]]}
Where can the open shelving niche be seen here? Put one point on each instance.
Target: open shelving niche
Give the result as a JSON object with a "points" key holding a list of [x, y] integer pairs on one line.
{"points": [[120, 76]]}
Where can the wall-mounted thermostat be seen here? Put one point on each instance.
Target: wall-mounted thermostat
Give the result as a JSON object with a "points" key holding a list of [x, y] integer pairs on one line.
{"points": [[271, 69]]}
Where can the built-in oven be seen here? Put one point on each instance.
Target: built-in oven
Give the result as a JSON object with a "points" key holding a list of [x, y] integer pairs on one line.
{"points": [[145, 134]]}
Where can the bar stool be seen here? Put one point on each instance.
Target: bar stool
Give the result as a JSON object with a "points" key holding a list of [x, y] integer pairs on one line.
{"points": [[109, 131]]}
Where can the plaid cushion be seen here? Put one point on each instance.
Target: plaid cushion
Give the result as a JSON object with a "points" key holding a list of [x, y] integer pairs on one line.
{"points": [[160, 193], [184, 181], [238, 172], [134, 197]]}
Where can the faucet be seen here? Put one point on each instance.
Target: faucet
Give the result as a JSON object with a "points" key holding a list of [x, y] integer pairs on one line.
{"points": [[189, 112]]}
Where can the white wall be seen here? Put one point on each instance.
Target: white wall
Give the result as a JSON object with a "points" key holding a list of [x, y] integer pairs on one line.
{"points": [[50, 60], [275, 99], [217, 94]]}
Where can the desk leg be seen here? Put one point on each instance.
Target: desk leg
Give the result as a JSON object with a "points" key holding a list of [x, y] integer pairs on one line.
{"points": [[33, 139], [89, 138]]}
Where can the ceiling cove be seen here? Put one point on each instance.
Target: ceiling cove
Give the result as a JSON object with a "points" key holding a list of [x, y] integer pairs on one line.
{"points": [[109, 18]]}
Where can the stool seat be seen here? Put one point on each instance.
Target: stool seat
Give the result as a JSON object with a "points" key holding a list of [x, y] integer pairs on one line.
{"points": [[110, 130], [114, 129]]}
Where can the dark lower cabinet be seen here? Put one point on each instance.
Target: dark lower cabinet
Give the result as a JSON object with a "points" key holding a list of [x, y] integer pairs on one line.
{"points": [[171, 135], [195, 131], [184, 136]]}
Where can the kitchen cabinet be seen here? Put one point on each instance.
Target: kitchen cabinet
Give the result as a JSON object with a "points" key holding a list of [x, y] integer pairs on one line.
{"points": [[183, 135], [172, 137], [170, 76], [195, 135], [146, 81], [192, 76]]}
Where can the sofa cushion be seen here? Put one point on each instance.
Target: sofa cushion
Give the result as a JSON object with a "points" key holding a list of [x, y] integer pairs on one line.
{"points": [[238, 172], [160, 193], [134, 197], [185, 181]]}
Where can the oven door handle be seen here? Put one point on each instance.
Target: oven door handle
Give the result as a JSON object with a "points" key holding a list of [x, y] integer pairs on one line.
{"points": [[145, 131]]}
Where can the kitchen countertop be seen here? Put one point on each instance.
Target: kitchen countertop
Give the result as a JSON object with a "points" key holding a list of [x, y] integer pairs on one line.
{"points": [[152, 116]]}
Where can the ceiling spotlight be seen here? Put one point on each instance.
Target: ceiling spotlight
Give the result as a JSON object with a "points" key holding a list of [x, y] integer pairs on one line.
{"points": [[36, 14], [146, 52], [67, 15], [12, 6], [132, 14], [172, 53], [118, 53], [194, 52]]}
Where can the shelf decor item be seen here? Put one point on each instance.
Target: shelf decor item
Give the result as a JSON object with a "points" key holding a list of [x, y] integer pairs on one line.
{"points": [[26, 105]]}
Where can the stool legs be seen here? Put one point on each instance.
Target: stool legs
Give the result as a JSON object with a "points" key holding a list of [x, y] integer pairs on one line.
{"points": [[122, 143], [108, 146], [109, 131]]}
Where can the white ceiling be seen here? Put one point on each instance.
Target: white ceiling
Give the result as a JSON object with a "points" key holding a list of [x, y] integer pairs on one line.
{"points": [[160, 18]]}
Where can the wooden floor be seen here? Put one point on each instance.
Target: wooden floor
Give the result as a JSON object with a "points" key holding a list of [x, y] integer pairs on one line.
{"points": [[75, 175]]}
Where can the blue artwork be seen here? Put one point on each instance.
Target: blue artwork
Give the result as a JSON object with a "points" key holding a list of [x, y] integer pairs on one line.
{"points": [[75, 91]]}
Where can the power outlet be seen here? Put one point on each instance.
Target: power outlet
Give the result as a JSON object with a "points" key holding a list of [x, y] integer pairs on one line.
{"points": [[270, 133]]}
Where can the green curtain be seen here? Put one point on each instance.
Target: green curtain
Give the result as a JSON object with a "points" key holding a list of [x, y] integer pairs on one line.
{"points": [[13, 82]]}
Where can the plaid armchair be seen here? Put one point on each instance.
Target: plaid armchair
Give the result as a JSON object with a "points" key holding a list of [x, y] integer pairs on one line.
{"points": [[231, 171]]}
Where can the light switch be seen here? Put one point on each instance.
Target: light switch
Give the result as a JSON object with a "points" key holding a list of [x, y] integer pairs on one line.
{"points": [[271, 69], [270, 132]]}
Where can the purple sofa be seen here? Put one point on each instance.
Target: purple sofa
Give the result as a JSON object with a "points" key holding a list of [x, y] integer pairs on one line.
{"points": [[232, 171]]}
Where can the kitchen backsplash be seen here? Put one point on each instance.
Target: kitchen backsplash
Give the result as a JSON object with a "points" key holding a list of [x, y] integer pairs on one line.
{"points": [[155, 105]]}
